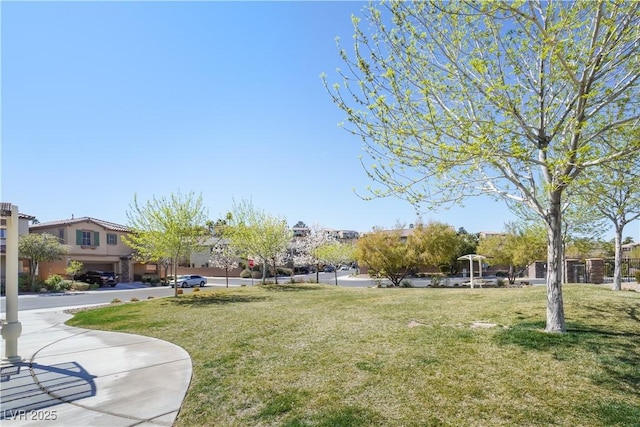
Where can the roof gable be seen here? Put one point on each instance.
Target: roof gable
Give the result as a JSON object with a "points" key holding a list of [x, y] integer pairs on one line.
{"points": [[111, 226]]}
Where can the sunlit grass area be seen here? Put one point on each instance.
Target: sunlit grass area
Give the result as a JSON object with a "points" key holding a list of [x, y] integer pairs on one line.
{"points": [[312, 355]]}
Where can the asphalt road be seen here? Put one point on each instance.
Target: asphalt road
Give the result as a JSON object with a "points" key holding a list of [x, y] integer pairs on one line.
{"points": [[127, 291]]}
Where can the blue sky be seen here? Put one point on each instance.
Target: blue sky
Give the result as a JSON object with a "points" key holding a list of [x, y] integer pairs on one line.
{"points": [[104, 100]]}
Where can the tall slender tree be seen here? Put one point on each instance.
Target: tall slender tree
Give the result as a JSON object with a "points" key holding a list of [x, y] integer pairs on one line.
{"points": [[258, 235], [511, 99], [167, 228], [617, 201]]}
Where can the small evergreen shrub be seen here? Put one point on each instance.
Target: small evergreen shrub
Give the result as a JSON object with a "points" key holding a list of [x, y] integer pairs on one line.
{"points": [[284, 271], [134, 299], [52, 283], [245, 274], [435, 280], [79, 286], [406, 283], [116, 301]]}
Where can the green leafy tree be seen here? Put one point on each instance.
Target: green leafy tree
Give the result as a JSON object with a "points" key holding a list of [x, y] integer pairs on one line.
{"points": [[617, 201], [74, 268], [511, 99], [436, 244], [335, 253], [166, 228], [518, 247], [39, 248], [259, 235], [387, 253]]}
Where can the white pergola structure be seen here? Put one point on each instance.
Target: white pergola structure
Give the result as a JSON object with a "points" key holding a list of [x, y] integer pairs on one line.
{"points": [[471, 258]]}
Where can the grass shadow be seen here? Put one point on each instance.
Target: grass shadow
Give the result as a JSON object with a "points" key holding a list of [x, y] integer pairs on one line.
{"points": [[215, 299], [618, 353], [292, 287]]}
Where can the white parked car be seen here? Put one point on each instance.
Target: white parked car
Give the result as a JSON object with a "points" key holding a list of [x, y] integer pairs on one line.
{"points": [[191, 280]]}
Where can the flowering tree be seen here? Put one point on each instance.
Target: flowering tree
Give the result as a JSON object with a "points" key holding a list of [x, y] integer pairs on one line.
{"points": [[223, 255], [258, 235], [304, 250]]}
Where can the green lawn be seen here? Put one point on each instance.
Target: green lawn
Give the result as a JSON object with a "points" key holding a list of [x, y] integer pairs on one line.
{"points": [[311, 355]]}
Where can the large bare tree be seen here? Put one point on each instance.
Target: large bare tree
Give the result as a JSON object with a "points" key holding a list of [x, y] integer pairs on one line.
{"points": [[511, 99]]}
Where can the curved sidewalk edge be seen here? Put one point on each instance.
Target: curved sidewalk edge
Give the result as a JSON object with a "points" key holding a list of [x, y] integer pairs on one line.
{"points": [[79, 377]]}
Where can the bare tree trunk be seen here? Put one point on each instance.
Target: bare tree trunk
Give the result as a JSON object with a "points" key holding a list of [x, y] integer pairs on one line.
{"points": [[33, 270], [555, 305], [226, 274], [275, 271], [617, 270], [174, 267]]}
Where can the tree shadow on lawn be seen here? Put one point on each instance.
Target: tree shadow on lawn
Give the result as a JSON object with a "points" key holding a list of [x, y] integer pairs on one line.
{"points": [[618, 353], [208, 298]]}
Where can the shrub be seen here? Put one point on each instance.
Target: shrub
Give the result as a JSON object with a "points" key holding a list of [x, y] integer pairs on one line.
{"points": [[196, 289], [284, 271], [116, 301], [52, 283], [79, 286], [638, 276], [134, 299], [245, 274], [406, 283], [435, 280], [500, 282]]}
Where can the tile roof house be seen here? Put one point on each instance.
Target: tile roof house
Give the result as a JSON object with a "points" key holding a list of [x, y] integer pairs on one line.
{"points": [[96, 243]]}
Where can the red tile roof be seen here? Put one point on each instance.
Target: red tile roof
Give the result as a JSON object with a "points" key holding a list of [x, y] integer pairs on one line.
{"points": [[112, 226]]}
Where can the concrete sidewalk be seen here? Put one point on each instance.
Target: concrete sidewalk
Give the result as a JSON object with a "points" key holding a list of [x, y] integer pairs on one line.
{"points": [[79, 377]]}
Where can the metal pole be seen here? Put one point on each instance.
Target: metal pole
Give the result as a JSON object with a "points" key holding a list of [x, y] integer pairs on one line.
{"points": [[13, 328]]}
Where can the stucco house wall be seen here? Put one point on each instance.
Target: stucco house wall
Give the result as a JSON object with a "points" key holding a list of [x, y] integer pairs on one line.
{"points": [[96, 243]]}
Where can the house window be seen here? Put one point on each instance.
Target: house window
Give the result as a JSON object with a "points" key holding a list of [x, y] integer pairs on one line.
{"points": [[86, 238], [61, 235], [112, 239], [3, 233]]}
